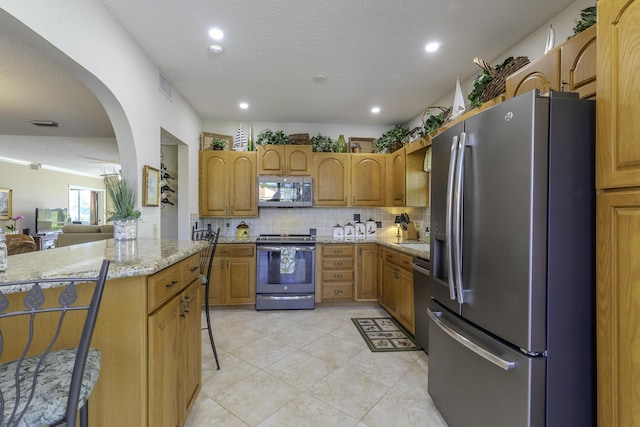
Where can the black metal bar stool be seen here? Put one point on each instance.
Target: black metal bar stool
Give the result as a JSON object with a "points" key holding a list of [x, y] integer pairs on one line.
{"points": [[206, 263]]}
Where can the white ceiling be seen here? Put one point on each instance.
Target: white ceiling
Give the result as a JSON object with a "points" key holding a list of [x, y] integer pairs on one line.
{"points": [[371, 52]]}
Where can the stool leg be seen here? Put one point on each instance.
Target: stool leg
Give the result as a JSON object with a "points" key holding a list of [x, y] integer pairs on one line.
{"points": [[206, 307], [84, 415]]}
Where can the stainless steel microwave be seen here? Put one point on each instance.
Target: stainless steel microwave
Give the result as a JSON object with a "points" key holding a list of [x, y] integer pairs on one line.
{"points": [[284, 191]]}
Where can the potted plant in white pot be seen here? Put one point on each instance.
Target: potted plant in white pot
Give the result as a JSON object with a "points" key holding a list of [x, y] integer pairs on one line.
{"points": [[124, 214]]}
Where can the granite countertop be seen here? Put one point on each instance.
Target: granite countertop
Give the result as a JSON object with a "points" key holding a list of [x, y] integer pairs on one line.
{"points": [[130, 258], [414, 248]]}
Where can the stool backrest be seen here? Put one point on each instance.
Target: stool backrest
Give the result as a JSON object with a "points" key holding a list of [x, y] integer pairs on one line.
{"points": [[30, 320], [207, 253]]}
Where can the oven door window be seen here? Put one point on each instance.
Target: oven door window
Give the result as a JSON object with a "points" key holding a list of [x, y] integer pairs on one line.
{"points": [[285, 266]]}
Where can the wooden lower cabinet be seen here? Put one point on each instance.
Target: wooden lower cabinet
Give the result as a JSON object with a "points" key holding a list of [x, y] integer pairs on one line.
{"points": [[366, 272], [337, 278], [618, 307], [397, 287], [174, 355], [233, 275]]}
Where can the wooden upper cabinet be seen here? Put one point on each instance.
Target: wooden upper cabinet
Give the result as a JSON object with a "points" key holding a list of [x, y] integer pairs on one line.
{"points": [[542, 74], [396, 186], [213, 182], [285, 160], [578, 63], [618, 92], [368, 174], [227, 183], [331, 179]]}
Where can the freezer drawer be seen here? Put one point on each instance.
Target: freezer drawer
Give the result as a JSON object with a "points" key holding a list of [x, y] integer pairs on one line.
{"points": [[475, 380]]}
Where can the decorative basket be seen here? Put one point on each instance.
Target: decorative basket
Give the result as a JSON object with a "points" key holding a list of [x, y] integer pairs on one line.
{"points": [[432, 122], [499, 75], [299, 139]]}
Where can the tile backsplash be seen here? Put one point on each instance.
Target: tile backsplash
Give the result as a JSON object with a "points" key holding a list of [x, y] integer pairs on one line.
{"points": [[300, 220]]}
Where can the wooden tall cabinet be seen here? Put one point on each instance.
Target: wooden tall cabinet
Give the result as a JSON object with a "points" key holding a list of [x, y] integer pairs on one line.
{"points": [[618, 213], [397, 287], [368, 179], [227, 183], [285, 160], [331, 175], [233, 275]]}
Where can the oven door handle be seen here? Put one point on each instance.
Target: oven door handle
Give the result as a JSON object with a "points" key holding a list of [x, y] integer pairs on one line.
{"points": [[280, 248]]}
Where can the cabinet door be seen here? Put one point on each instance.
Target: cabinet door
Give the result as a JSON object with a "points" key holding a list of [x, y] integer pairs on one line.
{"points": [[380, 275], [242, 183], [218, 280], [164, 362], [331, 179], [241, 279], [397, 184], [213, 180], [191, 345], [618, 91], [389, 297], [368, 179], [617, 302], [366, 275], [404, 293], [542, 74], [271, 160], [578, 60], [298, 160]]}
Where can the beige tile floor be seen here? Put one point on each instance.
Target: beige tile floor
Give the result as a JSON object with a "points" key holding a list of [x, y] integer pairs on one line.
{"points": [[307, 368]]}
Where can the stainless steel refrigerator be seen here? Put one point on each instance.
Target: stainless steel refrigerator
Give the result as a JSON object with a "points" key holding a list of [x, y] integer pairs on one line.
{"points": [[511, 317]]}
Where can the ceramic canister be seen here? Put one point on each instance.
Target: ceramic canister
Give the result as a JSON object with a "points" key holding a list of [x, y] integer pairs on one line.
{"points": [[338, 232], [361, 233], [349, 232], [372, 228]]}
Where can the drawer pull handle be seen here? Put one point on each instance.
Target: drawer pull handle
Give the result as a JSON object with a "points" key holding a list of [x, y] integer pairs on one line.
{"points": [[172, 284], [337, 263], [194, 269]]}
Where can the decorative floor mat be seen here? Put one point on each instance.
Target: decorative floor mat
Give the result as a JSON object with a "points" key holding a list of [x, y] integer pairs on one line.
{"points": [[385, 334]]}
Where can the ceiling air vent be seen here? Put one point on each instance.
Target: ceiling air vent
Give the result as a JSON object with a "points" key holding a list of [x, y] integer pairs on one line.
{"points": [[45, 123], [165, 85]]}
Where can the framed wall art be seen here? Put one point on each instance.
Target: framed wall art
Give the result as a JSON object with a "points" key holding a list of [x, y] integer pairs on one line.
{"points": [[5, 203], [151, 187]]}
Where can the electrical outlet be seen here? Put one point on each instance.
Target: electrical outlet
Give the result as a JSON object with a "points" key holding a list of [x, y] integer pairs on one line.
{"points": [[227, 225]]}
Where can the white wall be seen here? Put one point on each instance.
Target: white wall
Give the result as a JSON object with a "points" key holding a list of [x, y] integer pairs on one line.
{"points": [[531, 46], [39, 189], [85, 39]]}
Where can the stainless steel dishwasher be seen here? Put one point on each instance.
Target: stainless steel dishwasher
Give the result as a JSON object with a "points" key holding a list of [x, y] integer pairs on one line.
{"points": [[421, 279]]}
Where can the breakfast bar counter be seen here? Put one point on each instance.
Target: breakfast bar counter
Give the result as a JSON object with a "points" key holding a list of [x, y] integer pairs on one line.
{"points": [[149, 339]]}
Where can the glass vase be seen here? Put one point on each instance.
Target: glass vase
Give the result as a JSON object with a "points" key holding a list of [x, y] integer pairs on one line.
{"points": [[125, 229], [342, 144]]}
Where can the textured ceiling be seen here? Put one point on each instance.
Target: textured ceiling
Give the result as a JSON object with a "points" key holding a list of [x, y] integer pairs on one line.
{"points": [[371, 52]]}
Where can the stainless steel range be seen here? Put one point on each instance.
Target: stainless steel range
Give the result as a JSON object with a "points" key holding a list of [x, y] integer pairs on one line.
{"points": [[285, 271]]}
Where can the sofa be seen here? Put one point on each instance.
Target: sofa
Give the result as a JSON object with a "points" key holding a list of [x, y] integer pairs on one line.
{"points": [[73, 234]]}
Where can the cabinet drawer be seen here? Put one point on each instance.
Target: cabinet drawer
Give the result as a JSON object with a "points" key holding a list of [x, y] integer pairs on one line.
{"points": [[163, 284], [337, 250], [404, 261], [337, 291], [235, 250], [190, 269], [337, 263], [337, 276]]}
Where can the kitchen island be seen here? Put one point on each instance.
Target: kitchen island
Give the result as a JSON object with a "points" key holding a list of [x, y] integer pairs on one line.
{"points": [[148, 338]]}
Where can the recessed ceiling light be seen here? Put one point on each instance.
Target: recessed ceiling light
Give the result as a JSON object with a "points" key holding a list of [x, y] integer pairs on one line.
{"points": [[319, 78], [216, 34], [375, 110], [244, 105], [215, 48], [432, 47]]}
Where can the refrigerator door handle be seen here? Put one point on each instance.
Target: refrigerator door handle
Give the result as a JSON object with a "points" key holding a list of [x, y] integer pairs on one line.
{"points": [[485, 354], [449, 216], [456, 219]]}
